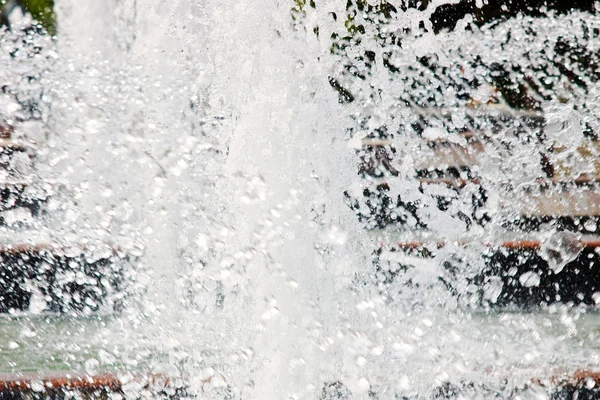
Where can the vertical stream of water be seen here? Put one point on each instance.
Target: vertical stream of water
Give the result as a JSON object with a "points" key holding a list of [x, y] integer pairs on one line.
{"points": [[209, 132]]}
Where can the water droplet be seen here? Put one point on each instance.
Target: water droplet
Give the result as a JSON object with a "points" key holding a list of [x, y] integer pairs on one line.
{"points": [[589, 383], [377, 351], [530, 279], [363, 385], [404, 383], [560, 249], [37, 303], [106, 357], [434, 134], [336, 235], [28, 332], [91, 366], [590, 225], [37, 386], [267, 315], [493, 289]]}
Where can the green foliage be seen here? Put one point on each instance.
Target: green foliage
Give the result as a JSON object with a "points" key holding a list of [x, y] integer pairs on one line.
{"points": [[361, 20], [299, 11], [43, 12]]}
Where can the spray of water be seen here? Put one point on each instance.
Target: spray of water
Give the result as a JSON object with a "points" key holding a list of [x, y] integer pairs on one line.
{"points": [[221, 137]]}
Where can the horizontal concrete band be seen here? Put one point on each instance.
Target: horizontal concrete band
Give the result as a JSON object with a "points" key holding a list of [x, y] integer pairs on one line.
{"points": [[524, 244], [26, 383], [71, 381]]}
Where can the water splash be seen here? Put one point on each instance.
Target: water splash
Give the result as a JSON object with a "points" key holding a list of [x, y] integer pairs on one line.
{"points": [[222, 136]]}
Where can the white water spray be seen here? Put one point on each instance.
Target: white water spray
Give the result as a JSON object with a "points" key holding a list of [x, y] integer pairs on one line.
{"points": [[210, 133]]}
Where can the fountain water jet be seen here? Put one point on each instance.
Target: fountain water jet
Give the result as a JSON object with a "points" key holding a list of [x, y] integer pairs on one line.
{"points": [[221, 129]]}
